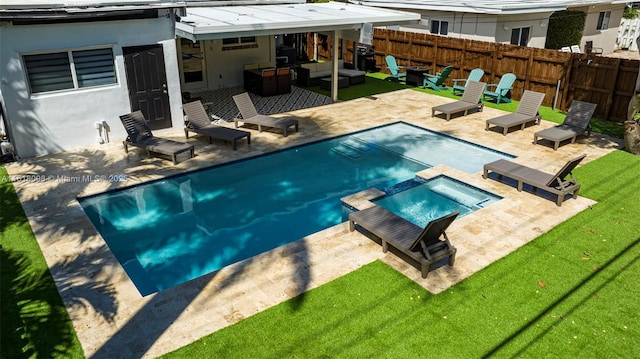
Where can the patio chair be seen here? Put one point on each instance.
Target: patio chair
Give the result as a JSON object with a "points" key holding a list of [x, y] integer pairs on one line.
{"points": [[249, 115], [575, 123], [139, 135], [459, 85], [470, 100], [576, 49], [197, 120], [502, 89], [526, 112], [553, 183], [421, 247], [436, 82], [394, 68]]}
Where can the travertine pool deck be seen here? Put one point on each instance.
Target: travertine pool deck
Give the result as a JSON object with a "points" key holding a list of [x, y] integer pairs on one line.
{"points": [[112, 320]]}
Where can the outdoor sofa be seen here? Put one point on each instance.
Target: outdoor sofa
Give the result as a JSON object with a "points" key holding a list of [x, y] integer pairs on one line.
{"points": [[309, 74]]}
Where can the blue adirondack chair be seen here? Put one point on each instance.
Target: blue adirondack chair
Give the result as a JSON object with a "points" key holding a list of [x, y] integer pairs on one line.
{"points": [[437, 81], [459, 85], [394, 68], [501, 89]]}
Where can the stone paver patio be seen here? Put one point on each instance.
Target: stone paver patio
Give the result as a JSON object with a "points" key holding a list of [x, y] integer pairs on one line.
{"points": [[112, 320]]}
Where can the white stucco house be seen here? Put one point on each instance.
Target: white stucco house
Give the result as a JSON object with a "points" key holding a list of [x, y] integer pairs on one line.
{"points": [[70, 68], [522, 23]]}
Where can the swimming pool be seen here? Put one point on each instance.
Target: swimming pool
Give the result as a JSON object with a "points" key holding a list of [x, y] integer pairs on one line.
{"points": [[169, 231], [421, 201]]}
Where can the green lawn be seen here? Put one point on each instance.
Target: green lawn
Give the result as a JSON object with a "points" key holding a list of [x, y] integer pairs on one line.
{"points": [[588, 305], [35, 322]]}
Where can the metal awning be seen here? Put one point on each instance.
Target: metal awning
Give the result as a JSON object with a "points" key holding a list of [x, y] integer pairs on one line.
{"points": [[218, 22]]}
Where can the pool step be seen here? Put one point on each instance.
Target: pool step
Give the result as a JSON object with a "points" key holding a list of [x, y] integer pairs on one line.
{"points": [[347, 151], [357, 144]]}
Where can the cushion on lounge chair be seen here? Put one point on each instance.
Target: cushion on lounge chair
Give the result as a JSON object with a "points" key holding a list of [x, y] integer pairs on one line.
{"points": [[526, 112], [139, 135], [197, 121], [557, 183], [249, 114], [470, 100], [575, 123], [423, 246]]}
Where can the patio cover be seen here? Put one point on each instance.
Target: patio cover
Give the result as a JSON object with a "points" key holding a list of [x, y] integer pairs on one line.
{"points": [[218, 22]]}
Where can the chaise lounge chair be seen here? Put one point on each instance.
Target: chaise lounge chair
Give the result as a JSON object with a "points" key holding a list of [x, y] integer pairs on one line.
{"points": [[423, 246], [502, 88], [575, 123], [250, 115], [437, 81], [526, 112], [553, 183], [197, 121], [459, 85], [394, 68], [470, 99], [139, 135]]}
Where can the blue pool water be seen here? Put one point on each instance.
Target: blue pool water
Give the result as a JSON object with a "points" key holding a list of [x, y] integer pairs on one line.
{"points": [[421, 201], [173, 230]]}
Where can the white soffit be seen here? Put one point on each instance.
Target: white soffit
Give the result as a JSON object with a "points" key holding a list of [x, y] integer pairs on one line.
{"points": [[205, 23]]}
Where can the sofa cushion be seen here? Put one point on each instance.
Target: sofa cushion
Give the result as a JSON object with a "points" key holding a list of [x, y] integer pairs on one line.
{"points": [[317, 74], [351, 72], [324, 66], [310, 66]]}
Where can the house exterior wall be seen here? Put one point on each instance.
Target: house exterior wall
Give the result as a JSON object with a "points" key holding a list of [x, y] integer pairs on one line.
{"points": [[605, 39], [50, 122], [484, 27]]}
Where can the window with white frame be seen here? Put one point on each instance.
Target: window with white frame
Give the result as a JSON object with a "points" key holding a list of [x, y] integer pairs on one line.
{"points": [[603, 20], [72, 69], [439, 27], [520, 36]]}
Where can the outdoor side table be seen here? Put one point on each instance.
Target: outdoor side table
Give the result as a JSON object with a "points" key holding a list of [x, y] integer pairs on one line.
{"points": [[415, 75]]}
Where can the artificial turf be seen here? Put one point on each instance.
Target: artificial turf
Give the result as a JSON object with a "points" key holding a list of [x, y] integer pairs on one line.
{"points": [[569, 293], [34, 321]]}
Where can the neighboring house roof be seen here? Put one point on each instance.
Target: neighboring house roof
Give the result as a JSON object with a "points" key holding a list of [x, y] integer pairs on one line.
{"points": [[86, 5], [497, 7], [217, 22]]}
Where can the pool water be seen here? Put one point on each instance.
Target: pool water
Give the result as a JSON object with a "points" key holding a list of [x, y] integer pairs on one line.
{"points": [[421, 201], [173, 230]]}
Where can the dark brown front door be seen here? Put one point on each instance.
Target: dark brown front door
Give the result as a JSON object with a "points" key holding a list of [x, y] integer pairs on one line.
{"points": [[147, 81]]}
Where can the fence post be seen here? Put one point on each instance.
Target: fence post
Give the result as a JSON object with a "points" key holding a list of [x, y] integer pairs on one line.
{"points": [[607, 108], [567, 81]]}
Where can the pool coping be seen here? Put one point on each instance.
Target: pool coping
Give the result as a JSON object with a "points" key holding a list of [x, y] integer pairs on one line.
{"points": [[111, 319]]}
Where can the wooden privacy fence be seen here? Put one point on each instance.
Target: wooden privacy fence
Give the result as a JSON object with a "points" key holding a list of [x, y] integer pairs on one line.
{"points": [[561, 76]]}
